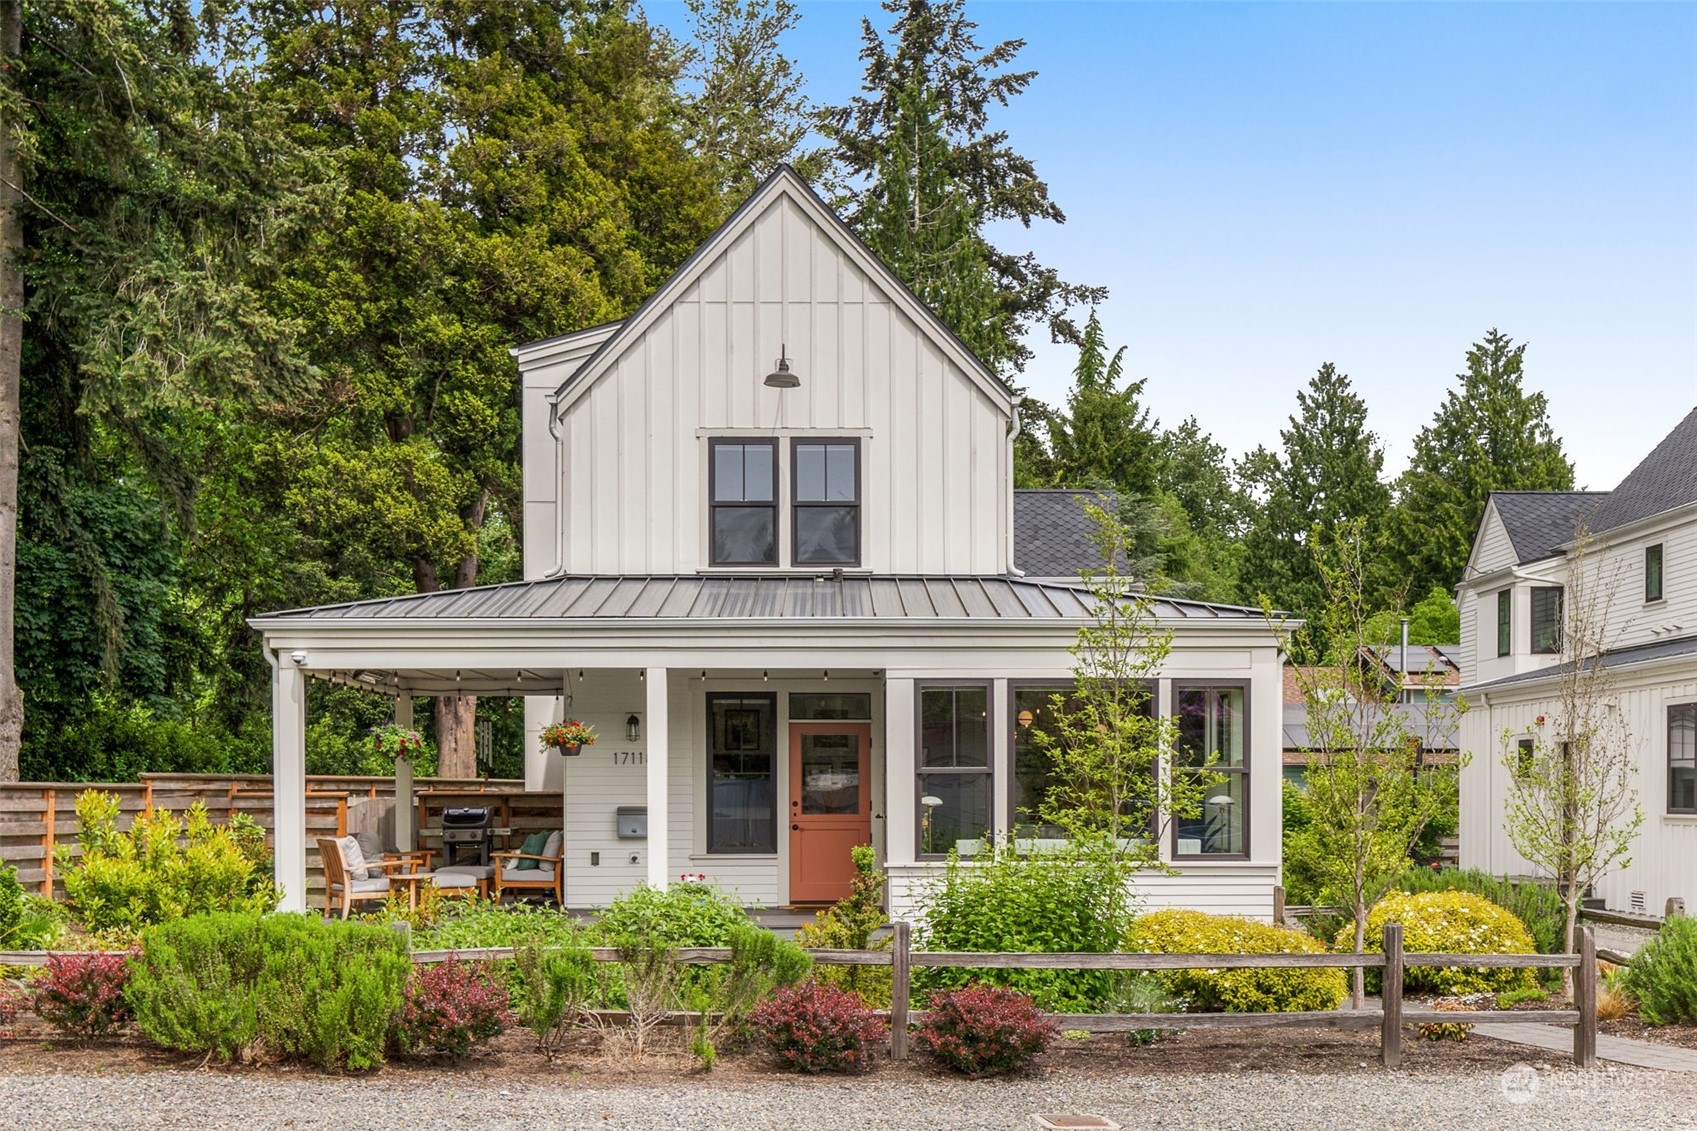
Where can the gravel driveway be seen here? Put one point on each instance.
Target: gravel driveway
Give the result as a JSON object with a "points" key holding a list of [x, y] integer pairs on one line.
{"points": [[1572, 1100]]}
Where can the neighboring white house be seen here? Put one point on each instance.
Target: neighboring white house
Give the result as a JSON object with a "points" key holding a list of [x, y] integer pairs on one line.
{"points": [[1642, 554], [798, 584]]}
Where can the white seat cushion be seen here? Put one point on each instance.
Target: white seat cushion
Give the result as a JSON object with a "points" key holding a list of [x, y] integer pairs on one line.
{"points": [[512, 873], [475, 871], [376, 883], [453, 880]]}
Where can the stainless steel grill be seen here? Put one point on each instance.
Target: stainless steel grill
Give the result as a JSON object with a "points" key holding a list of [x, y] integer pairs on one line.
{"points": [[465, 835]]}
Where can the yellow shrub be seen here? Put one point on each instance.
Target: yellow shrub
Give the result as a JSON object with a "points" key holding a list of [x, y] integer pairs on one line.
{"points": [[1236, 991], [1450, 922]]}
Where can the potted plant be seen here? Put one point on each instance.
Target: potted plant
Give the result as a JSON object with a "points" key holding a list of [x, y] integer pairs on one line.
{"points": [[392, 740], [568, 736]]}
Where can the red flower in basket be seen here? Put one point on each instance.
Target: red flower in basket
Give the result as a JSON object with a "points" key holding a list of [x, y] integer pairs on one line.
{"points": [[568, 735], [393, 741]]}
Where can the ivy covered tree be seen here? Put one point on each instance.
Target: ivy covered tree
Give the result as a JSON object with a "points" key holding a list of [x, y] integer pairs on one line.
{"points": [[1489, 435], [925, 174], [1325, 476]]}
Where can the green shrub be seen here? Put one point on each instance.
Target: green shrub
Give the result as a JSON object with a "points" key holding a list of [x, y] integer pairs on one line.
{"points": [[851, 924], [553, 989], [760, 964], [1073, 899], [163, 867], [1663, 974], [682, 915], [1450, 922], [1236, 991], [1537, 905], [464, 924], [295, 986], [27, 921]]}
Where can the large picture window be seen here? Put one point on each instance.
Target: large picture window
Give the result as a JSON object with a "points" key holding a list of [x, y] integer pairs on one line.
{"points": [[1214, 721], [744, 492], [1682, 758], [1546, 620], [827, 502], [742, 806], [1034, 763], [1505, 621], [953, 796]]}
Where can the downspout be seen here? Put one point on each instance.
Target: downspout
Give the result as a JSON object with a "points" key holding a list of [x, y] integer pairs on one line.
{"points": [[559, 486], [1013, 439]]}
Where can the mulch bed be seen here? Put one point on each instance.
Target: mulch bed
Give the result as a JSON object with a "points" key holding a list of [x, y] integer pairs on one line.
{"points": [[513, 1059]]}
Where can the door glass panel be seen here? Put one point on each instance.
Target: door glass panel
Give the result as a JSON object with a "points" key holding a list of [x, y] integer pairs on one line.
{"points": [[830, 773]]}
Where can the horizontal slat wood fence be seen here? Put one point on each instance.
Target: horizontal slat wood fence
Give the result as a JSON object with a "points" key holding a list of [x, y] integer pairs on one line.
{"points": [[1389, 1019], [38, 818]]}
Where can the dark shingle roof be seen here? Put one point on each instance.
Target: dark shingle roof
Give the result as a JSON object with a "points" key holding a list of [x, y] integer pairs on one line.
{"points": [[1540, 522], [1051, 532], [1619, 657], [1667, 478]]}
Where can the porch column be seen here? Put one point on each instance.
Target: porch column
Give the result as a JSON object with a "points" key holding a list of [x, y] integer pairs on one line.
{"points": [[406, 825], [657, 728], [900, 801], [288, 780]]}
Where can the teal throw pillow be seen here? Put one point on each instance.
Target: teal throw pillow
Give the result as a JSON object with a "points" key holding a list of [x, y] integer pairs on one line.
{"points": [[533, 844]]}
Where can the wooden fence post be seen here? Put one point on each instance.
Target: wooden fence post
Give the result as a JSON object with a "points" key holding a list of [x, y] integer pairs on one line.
{"points": [[1585, 989], [1278, 905], [1390, 1040], [50, 797], [901, 985]]}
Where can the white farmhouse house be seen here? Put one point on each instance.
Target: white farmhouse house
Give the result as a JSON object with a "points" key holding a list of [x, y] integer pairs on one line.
{"points": [[1642, 557], [770, 554]]}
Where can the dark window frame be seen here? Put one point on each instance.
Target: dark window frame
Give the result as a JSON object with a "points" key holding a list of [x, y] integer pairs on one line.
{"points": [[1554, 648], [796, 504], [922, 771], [1244, 771], [1505, 622], [713, 503], [1667, 734], [771, 699], [1658, 554]]}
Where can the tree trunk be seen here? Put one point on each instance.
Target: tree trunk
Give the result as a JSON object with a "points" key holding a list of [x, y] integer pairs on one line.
{"points": [[456, 736], [1568, 936], [1358, 979], [11, 360]]}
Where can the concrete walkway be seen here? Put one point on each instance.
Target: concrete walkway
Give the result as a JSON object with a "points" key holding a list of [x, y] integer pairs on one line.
{"points": [[1621, 1050]]}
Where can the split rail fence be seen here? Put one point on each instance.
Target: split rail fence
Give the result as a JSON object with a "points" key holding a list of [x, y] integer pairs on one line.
{"points": [[1389, 1020]]}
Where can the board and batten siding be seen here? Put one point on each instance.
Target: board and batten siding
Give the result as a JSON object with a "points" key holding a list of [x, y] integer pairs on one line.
{"points": [[936, 453], [1664, 856]]}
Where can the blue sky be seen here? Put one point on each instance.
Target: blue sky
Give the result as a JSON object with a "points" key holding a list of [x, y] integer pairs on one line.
{"points": [[1265, 187]]}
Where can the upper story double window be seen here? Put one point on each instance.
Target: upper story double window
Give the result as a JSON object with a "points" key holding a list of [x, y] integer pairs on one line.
{"points": [[746, 499]]}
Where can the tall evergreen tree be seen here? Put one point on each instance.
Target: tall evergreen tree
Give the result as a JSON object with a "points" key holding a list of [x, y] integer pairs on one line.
{"points": [[746, 112], [924, 167], [1107, 436], [1489, 435], [1325, 475], [1209, 511]]}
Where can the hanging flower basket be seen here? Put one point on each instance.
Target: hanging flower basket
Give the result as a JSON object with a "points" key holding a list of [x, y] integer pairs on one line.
{"points": [[569, 737], [391, 740]]}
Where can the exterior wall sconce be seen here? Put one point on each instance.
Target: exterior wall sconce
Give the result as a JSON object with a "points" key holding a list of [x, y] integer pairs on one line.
{"points": [[781, 377], [633, 728]]}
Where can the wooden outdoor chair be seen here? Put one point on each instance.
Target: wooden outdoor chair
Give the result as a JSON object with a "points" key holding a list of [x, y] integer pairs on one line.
{"points": [[340, 888], [548, 875], [371, 847]]}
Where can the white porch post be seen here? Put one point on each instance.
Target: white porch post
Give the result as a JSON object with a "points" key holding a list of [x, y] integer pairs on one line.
{"points": [[900, 804], [406, 831], [657, 727], [288, 780]]}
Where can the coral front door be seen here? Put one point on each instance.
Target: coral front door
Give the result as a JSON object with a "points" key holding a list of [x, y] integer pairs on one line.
{"points": [[830, 806]]}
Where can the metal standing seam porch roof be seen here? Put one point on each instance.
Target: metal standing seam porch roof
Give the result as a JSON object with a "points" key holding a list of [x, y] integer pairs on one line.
{"points": [[739, 597]]}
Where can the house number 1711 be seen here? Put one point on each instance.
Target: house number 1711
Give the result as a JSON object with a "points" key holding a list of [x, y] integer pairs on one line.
{"points": [[629, 758]]}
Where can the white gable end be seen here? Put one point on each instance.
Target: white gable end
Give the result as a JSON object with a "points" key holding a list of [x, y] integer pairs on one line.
{"points": [[636, 419]]}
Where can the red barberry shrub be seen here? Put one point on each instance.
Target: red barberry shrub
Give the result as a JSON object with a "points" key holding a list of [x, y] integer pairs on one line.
{"points": [[819, 1028], [12, 1001], [984, 1030], [82, 995], [452, 1006]]}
